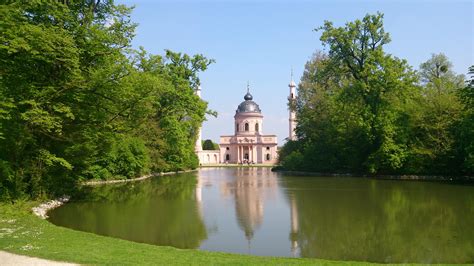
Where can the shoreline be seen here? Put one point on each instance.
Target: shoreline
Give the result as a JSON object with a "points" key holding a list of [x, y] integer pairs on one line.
{"points": [[115, 181], [36, 252], [26, 234], [235, 165], [381, 177], [42, 210]]}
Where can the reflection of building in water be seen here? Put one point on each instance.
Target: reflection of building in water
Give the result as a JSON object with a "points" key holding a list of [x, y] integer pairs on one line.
{"points": [[198, 195], [249, 189], [294, 227]]}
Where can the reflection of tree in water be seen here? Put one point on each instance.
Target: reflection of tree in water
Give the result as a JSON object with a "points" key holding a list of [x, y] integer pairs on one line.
{"points": [[383, 221], [161, 210], [249, 190]]}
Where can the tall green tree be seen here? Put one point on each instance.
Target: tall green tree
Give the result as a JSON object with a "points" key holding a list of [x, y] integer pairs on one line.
{"points": [[434, 118], [465, 130], [362, 110], [78, 103], [376, 83]]}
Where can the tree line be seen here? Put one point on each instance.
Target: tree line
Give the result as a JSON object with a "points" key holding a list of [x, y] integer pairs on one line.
{"points": [[362, 110], [78, 103]]}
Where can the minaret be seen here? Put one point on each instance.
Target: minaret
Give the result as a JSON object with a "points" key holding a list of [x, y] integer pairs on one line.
{"points": [[292, 118], [198, 145]]}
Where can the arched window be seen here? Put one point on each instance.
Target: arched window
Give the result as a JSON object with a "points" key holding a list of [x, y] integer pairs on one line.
{"points": [[237, 127], [208, 158], [246, 126], [227, 157], [268, 156], [215, 158], [256, 127]]}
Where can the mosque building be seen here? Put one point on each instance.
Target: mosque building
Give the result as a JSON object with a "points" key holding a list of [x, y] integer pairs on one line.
{"points": [[248, 144]]}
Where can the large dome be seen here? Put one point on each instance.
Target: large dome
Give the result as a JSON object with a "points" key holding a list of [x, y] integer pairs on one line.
{"points": [[248, 106]]}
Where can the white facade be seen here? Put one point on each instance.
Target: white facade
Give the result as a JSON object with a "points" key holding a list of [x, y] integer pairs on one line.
{"points": [[209, 157]]}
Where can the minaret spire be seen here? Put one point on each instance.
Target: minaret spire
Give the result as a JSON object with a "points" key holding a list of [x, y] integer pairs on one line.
{"points": [[248, 87], [292, 114]]}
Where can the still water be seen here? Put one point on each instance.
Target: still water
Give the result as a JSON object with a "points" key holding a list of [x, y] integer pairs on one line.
{"points": [[256, 211]]}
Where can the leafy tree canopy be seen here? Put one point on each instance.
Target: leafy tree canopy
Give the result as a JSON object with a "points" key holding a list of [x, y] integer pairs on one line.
{"points": [[362, 110], [77, 102]]}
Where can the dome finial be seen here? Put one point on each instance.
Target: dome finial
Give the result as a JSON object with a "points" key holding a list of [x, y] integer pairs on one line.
{"points": [[248, 96]]}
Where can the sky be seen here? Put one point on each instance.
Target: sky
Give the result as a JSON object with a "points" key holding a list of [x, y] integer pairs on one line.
{"points": [[261, 41]]}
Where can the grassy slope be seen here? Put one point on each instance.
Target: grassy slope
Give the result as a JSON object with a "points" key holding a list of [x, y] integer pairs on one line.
{"points": [[23, 233]]}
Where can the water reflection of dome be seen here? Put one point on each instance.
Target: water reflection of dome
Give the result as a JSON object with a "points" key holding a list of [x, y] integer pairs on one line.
{"points": [[248, 206], [249, 189]]}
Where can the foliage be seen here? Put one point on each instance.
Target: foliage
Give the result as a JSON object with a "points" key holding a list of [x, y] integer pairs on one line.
{"points": [[78, 103], [465, 128], [362, 110], [209, 145]]}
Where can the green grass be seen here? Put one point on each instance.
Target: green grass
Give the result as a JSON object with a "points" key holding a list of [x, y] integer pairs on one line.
{"points": [[21, 232]]}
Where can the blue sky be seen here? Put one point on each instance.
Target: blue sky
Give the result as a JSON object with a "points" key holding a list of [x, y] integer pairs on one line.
{"points": [[260, 41]]}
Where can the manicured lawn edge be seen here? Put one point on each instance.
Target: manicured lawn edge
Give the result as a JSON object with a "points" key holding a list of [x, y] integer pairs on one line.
{"points": [[23, 233]]}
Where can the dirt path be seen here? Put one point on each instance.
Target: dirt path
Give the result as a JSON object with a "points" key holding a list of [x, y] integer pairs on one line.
{"points": [[14, 259]]}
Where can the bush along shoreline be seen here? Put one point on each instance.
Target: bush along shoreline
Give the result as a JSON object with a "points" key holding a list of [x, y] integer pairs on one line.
{"points": [[468, 179]]}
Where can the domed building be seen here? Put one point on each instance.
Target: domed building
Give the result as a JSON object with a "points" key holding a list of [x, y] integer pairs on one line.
{"points": [[248, 144]]}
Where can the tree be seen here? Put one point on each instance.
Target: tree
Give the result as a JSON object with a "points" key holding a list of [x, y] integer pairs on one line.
{"points": [[78, 103], [377, 83], [437, 74], [209, 145], [465, 132], [361, 110], [434, 119]]}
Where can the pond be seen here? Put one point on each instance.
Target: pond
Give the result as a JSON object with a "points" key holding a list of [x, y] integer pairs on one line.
{"points": [[256, 211]]}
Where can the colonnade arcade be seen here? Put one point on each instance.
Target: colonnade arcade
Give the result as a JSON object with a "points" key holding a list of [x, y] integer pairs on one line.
{"points": [[247, 153]]}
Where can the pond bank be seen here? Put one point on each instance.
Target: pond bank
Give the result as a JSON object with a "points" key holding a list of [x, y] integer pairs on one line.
{"points": [[235, 165], [42, 210], [383, 177], [115, 181], [24, 233]]}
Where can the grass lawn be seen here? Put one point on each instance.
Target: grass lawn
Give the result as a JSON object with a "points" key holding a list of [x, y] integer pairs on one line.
{"points": [[21, 232]]}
